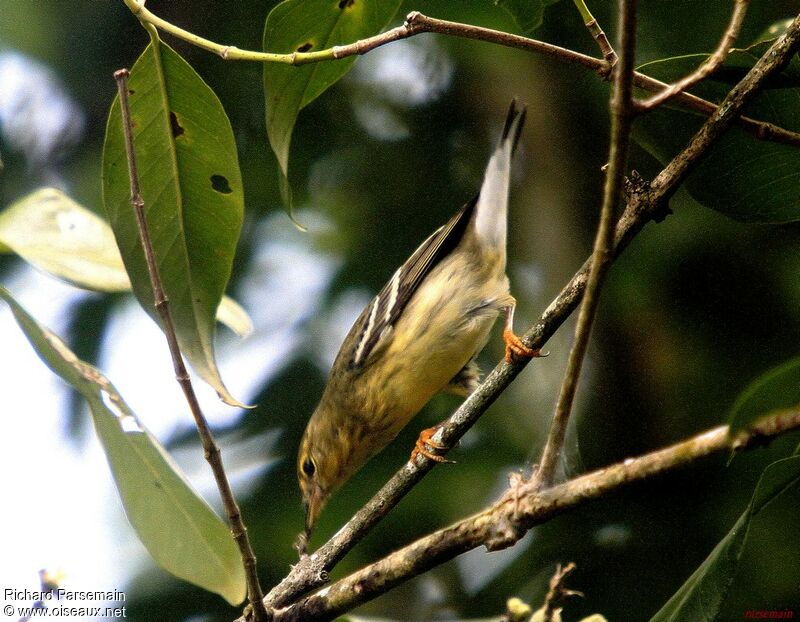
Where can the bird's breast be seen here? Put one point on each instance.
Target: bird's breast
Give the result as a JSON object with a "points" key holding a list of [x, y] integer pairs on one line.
{"points": [[445, 324]]}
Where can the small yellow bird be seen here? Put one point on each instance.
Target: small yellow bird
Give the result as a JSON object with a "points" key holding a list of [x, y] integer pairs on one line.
{"points": [[419, 336]]}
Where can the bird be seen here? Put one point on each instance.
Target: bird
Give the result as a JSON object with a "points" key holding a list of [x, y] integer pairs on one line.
{"points": [[419, 336]]}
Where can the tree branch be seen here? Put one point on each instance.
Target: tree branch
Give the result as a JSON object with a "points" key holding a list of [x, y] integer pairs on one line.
{"points": [[503, 523], [417, 23], [644, 203], [621, 118], [705, 69], [558, 592], [210, 448]]}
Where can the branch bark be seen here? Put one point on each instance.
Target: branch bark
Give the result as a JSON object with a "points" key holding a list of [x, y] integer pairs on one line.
{"points": [[558, 592], [502, 524]]}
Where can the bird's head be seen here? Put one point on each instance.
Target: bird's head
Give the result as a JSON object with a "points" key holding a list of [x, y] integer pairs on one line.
{"points": [[324, 462]]}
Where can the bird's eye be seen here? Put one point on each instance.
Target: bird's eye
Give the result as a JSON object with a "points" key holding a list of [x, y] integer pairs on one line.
{"points": [[309, 468]]}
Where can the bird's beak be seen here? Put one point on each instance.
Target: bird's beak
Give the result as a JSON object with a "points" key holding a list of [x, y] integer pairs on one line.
{"points": [[313, 505]]}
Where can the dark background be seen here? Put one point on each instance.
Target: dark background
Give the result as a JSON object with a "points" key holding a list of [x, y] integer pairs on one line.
{"points": [[697, 307]]}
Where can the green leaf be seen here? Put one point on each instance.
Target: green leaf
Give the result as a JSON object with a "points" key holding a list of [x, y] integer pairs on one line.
{"points": [[773, 31], [178, 528], [58, 236], [747, 179], [528, 14], [310, 26], [774, 392], [704, 593], [233, 315], [192, 190], [64, 239]]}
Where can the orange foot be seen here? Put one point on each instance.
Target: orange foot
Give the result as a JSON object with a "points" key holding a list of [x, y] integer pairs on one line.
{"points": [[515, 347], [424, 442]]}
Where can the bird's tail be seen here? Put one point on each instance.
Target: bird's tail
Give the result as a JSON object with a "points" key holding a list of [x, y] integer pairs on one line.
{"points": [[491, 211]]}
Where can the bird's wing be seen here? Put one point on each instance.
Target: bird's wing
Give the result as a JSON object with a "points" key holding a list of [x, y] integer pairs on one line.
{"points": [[387, 307], [377, 320]]}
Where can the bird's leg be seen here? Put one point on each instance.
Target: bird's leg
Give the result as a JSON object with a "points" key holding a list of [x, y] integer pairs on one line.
{"points": [[425, 443], [514, 345]]}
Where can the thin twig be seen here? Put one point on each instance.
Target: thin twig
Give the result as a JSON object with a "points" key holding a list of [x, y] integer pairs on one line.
{"points": [[417, 23], [597, 33], [621, 117], [210, 448], [705, 69], [762, 130], [644, 203], [503, 523], [558, 592]]}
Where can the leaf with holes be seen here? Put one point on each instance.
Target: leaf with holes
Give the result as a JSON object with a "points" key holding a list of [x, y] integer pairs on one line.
{"points": [[310, 26], [64, 239], [773, 393], [178, 528], [528, 14], [744, 178], [192, 191]]}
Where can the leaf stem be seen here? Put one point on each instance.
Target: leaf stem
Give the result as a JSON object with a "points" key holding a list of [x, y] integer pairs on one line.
{"points": [[210, 448], [597, 32]]}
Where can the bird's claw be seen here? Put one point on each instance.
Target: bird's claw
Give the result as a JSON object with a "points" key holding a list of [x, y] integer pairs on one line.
{"points": [[515, 348], [426, 441]]}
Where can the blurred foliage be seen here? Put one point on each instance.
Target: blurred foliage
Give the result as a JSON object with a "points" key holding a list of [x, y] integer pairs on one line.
{"points": [[704, 594], [746, 179], [527, 15], [695, 308], [175, 524], [770, 395]]}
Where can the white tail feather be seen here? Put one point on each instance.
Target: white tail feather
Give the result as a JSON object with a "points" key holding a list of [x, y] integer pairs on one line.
{"points": [[492, 210]]}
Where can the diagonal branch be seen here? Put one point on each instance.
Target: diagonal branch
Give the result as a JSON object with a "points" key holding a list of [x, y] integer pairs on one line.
{"points": [[621, 119], [417, 23], [644, 203], [705, 69], [503, 523]]}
